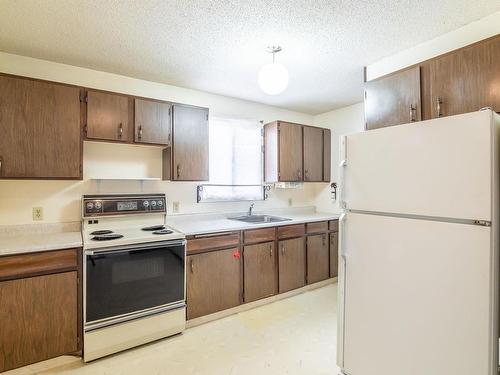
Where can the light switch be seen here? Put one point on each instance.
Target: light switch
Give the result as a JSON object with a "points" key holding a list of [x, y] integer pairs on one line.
{"points": [[175, 207]]}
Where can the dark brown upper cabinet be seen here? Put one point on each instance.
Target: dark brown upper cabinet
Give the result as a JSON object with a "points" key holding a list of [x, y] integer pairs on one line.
{"points": [[460, 81], [40, 129], [393, 99], [313, 154], [327, 154], [294, 152], [152, 122], [109, 116], [466, 80], [189, 143], [290, 152], [283, 152]]}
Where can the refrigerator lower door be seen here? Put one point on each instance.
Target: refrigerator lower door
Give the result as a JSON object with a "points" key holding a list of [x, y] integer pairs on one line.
{"points": [[418, 297]]}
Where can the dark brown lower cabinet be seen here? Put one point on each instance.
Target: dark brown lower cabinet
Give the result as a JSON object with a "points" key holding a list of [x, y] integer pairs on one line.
{"points": [[213, 282], [318, 258], [334, 254], [260, 276], [38, 318], [292, 264]]}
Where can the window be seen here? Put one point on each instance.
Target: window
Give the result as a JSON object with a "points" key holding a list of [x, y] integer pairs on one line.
{"points": [[235, 148]]}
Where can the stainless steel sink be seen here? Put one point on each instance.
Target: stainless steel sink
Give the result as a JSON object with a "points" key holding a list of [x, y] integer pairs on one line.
{"points": [[259, 219]]}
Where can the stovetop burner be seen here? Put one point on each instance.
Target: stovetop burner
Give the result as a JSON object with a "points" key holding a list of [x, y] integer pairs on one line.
{"points": [[154, 228], [99, 232], [163, 231], [107, 237]]}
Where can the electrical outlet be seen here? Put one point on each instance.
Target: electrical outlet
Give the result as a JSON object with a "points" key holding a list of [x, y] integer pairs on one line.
{"points": [[175, 207], [37, 213], [290, 202]]}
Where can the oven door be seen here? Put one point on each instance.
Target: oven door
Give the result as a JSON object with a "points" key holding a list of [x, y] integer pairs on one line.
{"points": [[132, 281]]}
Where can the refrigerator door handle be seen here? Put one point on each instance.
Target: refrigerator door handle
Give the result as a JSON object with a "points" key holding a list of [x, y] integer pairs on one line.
{"points": [[341, 291], [342, 165], [342, 222]]}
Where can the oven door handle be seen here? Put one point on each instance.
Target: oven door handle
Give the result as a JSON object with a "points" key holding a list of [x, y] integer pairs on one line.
{"points": [[137, 247]]}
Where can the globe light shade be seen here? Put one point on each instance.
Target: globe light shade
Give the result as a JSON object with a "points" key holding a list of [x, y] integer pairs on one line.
{"points": [[273, 78]]}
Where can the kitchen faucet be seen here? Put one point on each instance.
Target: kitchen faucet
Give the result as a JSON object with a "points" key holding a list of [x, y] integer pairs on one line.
{"points": [[250, 209]]}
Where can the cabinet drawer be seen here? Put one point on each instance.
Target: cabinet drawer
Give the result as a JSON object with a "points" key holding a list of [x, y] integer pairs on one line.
{"points": [[334, 225], [27, 265], [259, 235], [290, 231], [212, 241], [320, 226]]}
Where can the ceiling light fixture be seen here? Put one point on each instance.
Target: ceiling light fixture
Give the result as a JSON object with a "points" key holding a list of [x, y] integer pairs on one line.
{"points": [[273, 78]]}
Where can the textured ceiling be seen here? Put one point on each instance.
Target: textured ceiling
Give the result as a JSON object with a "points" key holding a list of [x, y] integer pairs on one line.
{"points": [[218, 46]]}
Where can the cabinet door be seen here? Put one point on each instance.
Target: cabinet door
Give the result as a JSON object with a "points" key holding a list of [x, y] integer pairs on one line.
{"points": [[190, 143], [290, 152], [327, 154], [213, 282], [334, 254], [292, 264], [108, 116], [465, 80], [38, 319], [313, 154], [393, 100], [152, 122], [40, 129], [260, 276], [318, 257]]}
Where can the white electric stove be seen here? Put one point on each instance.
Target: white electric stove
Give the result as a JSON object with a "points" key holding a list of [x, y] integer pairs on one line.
{"points": [[134, 273]]}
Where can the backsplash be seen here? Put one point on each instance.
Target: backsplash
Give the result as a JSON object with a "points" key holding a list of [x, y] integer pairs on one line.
{"points": [[103, 163]]}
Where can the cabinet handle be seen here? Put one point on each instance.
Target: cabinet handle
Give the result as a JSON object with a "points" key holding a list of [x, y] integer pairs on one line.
{"points": [[282, 249], [120, 131], [191, 264], [299, 174], [324, 240], [412, 113], [439, 101], [178, 170], [1, 165], [270, 250], [168, 138], [305, 174], [140, 131]]}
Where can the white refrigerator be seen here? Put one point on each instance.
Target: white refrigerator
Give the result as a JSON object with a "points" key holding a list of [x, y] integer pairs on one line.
{"points": [[418, 281]]}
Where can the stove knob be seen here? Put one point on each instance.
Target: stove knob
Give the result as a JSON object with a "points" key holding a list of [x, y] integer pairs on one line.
{"points": [[145, 203], [160, 203], [153, 203], [98, 205], [90, 205]]}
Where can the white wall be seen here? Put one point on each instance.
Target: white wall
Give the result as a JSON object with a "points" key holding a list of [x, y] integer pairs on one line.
{"points": [[473, 32], [61, 199], [342, 121]]}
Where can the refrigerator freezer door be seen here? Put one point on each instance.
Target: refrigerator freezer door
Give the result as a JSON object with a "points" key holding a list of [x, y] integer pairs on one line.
{"points": [[417, 298], [438, 168]]}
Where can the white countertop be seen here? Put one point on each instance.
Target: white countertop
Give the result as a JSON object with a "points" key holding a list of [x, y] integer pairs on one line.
{"points": [[20, 239], [191, 224]]}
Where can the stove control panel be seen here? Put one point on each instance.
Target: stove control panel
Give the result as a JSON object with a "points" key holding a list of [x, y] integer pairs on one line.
{"points": [[104, 205]]}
